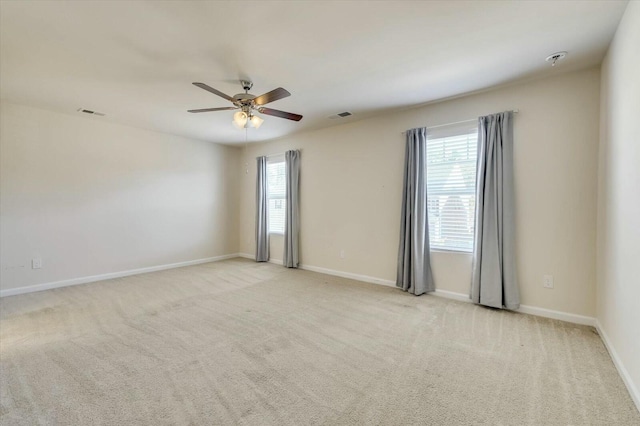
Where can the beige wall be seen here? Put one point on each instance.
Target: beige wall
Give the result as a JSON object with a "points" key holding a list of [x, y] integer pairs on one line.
{"points": [[619, 198], [351, 179], [90, 197], [73, 188]]}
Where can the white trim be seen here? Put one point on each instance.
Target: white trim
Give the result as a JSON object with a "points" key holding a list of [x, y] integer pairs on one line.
{"points": [[531, 310], [252, 257], [358, 277], [559, 315], [108, 276], [349, 275], [452, 295], [626, 377]]}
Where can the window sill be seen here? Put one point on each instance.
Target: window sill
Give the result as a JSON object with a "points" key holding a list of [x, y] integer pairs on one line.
{"points": [[275, 233]]}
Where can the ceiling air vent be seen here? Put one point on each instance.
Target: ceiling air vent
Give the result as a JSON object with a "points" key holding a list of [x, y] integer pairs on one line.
{"points": [[341, 115], [88, 111]]}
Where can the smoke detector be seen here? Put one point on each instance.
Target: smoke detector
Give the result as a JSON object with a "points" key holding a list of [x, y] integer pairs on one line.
{"points": [[555, 57]]}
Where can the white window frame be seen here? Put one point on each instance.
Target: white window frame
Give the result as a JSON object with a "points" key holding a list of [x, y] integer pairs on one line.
{"points": [[466, 196], [275, 160]]}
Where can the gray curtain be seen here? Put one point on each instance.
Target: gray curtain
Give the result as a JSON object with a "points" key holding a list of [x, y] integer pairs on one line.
{"points": [[292, 211], [262, 209], [414, 263], [494, 280]]}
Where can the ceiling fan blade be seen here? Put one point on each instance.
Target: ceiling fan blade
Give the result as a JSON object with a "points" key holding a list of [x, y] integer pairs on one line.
{"points": [[271, 96], [211, 109], [281, 114], [214, 91]]}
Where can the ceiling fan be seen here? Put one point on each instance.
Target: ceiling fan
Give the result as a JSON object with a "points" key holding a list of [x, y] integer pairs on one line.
{"points": [[248, 104]]}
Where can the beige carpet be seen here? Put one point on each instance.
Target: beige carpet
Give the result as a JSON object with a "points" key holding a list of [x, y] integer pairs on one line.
{"points": [[237, 342]]}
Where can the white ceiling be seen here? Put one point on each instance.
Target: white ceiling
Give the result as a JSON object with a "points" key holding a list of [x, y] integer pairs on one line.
{"points": [[135, 61]]}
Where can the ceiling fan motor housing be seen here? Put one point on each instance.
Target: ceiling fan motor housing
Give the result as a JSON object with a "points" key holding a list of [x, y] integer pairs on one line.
{"points": [[243, 97], [244, 101]]}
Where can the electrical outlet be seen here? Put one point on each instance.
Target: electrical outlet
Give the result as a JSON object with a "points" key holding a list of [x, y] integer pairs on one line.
{"points": [[36, 263], [547, 281], [342, 254]]}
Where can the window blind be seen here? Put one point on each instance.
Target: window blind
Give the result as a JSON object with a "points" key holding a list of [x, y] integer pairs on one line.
{"points": [[276, 194], [451, 176]]}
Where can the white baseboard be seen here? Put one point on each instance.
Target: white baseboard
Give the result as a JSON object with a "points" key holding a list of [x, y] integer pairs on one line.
{"points": [[531, 310], [460, 297], [349, 275], [108, 276], [252, 257], [559, 315], [626, 377]]}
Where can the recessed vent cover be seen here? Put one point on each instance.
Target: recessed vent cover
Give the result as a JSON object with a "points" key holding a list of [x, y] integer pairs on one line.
{"points": [[341, 115], [88, 111]]}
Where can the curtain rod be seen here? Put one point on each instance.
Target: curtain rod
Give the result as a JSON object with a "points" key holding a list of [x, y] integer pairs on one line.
{"points": [[277, 154], [515, 111]]}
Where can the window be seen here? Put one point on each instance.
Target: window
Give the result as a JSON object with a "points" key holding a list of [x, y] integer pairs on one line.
{"points": [[276, 194], [451, 177]]}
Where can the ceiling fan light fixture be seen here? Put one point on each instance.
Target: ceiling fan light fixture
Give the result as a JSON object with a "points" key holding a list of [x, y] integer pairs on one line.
{"points": [[256, 121], [240, 119]]}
